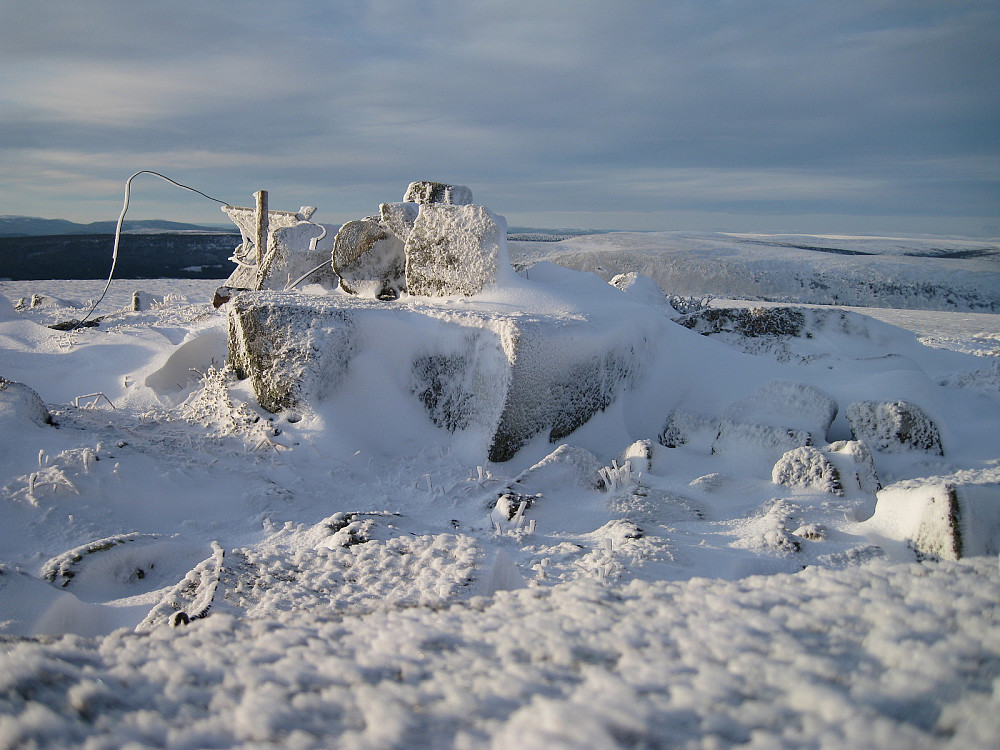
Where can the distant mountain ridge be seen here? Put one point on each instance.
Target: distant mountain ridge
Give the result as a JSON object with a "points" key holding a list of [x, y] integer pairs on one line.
{"points": [[33, 226]]}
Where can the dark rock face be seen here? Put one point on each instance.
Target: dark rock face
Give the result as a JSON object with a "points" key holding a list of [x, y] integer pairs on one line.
{"points": [[894, 426], [556, 385], [369, 259], [754, 322]]}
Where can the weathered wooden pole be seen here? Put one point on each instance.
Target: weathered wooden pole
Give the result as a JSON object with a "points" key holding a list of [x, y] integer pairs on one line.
{"points": [[262, 226]]}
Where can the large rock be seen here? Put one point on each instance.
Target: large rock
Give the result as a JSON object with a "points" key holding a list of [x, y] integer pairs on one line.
{"points": [[399, 218], [369, 259], [455, 250], [437, 192], [19, 403], [495, 380], [807, 468], [894, 426], [288, 350], [939, 520]]}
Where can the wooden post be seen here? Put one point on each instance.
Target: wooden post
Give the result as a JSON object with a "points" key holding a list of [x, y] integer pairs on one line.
{"points": [[262, 227]]}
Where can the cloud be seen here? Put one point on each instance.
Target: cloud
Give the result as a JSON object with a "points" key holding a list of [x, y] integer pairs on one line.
{"points": [[720, 107]]}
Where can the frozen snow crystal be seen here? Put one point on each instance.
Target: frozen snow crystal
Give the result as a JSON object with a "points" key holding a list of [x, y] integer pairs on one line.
{"points": [[454, 250], [369, 259], [894, 426], [437, 192], [806, 467]]}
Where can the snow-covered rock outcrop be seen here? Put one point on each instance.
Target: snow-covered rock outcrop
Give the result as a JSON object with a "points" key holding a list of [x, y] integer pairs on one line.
{"points": [[545, 362], [894, 426], [18, 402]]}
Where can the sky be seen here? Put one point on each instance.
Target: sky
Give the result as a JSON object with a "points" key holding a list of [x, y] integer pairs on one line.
{"points": [[852, 117]]}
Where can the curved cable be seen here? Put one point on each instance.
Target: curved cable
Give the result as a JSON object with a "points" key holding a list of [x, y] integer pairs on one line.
{"points": [[118, 231]]}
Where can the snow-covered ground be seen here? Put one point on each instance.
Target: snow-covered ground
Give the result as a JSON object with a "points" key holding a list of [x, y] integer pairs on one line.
{"points": [[346, 589]]}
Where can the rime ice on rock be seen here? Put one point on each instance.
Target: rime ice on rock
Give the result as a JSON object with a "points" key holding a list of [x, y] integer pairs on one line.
{"points": [[21, 402], [437, 192], [807, 468], [369, 259], [498, 378], [287, 253], [398, 218], [894, 426], [455, 250], [289, 351]]}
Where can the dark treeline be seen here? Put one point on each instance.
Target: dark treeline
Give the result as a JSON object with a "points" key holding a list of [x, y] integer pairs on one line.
{"points": [[140, 256]]}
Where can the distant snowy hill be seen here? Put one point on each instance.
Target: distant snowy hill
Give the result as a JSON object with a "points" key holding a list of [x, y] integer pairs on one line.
{"points": [[909, 273]]}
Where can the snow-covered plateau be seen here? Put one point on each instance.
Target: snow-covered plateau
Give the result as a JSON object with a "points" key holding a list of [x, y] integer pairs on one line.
{"points": [[780, 526]]}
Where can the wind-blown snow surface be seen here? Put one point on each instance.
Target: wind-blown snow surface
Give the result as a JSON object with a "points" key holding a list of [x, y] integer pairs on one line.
{"points": [[366, 592], [922, 274]]}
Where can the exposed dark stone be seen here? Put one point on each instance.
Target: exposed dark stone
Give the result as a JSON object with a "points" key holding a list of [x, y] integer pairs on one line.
{"points": [[757, 321]]}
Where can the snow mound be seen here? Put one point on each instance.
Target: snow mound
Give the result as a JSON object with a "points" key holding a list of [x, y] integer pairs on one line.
{"points": [[781, 403], [20, 404]]}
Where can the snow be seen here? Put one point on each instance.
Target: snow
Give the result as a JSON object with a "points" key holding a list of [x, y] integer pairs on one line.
{"points": [[353, 575]]}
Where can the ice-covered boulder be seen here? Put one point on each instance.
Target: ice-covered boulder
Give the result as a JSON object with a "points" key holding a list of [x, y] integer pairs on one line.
{"points": [[856, 465], [780, 403], [455, 250], [19, 403], [288, 350], [369, 259], [894, 426], [497, 375], [939, 520], [398, 218], [807, 468], [424, 192]]}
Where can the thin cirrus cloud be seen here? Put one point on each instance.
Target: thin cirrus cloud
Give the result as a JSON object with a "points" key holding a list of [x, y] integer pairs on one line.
{"points": [[878, 115]]}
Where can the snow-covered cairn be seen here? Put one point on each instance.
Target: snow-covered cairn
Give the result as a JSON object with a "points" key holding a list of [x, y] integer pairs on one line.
{"points": [[542, 361], [434, 244]]}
